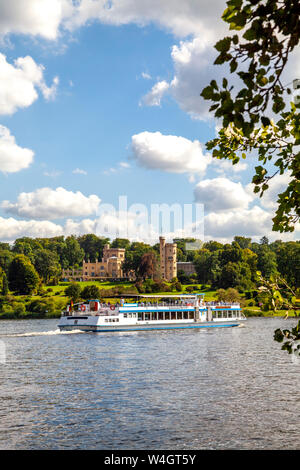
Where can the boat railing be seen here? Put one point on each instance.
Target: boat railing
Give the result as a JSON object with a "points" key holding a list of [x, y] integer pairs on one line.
{"points": [[222, 304]]}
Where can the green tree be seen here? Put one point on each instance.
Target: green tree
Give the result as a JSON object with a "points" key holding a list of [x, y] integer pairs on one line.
{"points": [[133, 257], [213, 246], [73, 291], [46, 263], [228, 295], [243, 242], [266, 261], [90, 292], [230, 275], [268, 32], [288, 261], [121, 243], [72, 251], [6, 257], [183, 277], [202, 264], [22, 276], [92, 246], [4, 290], [148, 265]]}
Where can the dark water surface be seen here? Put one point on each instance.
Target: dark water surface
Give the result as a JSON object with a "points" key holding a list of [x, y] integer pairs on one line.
{"points": [[230, 388]]}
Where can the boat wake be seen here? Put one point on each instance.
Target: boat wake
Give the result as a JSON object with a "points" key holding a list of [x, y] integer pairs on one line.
{"points": [[42, 333]]}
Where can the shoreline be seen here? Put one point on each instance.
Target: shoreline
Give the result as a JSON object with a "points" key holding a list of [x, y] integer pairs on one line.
{"points": [[57, 316]]}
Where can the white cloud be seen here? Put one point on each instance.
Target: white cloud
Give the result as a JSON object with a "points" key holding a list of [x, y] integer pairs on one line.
{"points": [[221, 194], [47, 203], [12, 157], [193, 70], [193, 62], [32, 17], [78, 171], [170, 153], [153, 98], [182, 18], [136, 225], [47, 18], [244, 222], [49, 93], [276, 186], [146, 75], [121, 166], [19, 83], [224, 166], [10, 229]]}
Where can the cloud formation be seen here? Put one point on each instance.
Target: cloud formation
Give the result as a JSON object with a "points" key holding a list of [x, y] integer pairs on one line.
{"points": [[254, 222], [11, 228], [12, 157], [221, 194], [154, 96], [49, 18], [170, 153], [32, 17], [47, 203], [19, 83]]}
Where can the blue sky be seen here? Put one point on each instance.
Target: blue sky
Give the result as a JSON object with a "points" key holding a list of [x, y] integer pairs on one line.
{"points": [[106, 103]]}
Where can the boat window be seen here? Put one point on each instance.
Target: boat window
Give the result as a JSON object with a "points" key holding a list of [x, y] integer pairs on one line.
{"points": [[125, 315]]}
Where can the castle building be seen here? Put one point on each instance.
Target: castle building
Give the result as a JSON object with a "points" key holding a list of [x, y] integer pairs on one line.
{"points": [[109, 267], [168, 258]]}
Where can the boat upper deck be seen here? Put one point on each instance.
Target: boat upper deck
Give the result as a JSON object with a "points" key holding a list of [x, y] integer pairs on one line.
{"points": [[169, 303]]}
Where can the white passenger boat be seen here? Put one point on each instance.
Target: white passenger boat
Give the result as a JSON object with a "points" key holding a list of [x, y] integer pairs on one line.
{"points": [[161, 313]]}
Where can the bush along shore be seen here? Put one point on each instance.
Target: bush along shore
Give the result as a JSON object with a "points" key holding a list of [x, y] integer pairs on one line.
{"points": [[49, 302]]}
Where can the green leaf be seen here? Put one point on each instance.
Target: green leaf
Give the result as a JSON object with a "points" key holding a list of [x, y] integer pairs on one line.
{"points": [[265, 121], [223, 45], [250, 34], [207, 93]]}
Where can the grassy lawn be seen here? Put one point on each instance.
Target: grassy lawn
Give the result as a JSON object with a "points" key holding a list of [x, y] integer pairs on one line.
{"points": [[101, 284]]}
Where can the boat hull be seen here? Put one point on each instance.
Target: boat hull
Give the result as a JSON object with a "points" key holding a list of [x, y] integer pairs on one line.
{"points": [[146, 327]]}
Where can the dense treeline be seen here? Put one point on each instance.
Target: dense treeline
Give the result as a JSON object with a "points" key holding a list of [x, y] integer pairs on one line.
{"points": [[32, 262], [236, 264]]}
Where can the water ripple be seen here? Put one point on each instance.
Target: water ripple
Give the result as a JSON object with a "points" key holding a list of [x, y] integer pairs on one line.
{"points": [[206, 389]]}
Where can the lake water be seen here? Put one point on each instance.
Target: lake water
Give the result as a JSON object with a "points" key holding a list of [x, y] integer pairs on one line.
{"points": [[230, 388]]}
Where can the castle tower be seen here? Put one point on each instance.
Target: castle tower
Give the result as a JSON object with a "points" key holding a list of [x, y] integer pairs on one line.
{"points": [[162, 243], [168, 259]]}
